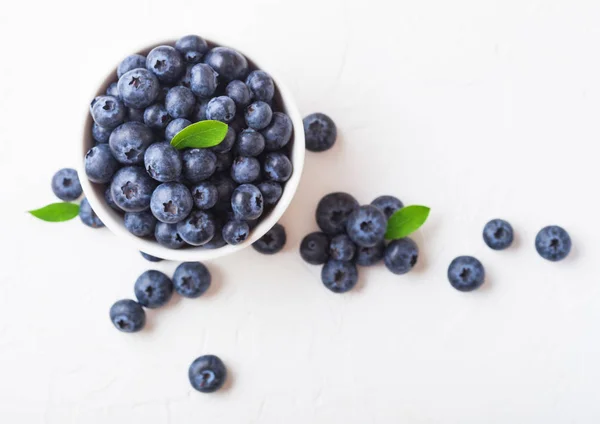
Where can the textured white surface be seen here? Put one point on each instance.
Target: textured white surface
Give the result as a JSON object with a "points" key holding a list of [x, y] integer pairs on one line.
{"points": [[480, 109]]}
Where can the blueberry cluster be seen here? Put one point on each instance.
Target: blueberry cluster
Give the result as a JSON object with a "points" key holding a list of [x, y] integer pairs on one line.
{"points": [[353, 235], [194, 197]]}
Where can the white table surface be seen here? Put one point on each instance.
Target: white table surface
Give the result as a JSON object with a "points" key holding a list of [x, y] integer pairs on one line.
{"points": [[479, 109]]}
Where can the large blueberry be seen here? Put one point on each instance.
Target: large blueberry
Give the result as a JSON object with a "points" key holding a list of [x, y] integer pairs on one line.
{"points": [[366, 226], [150, 258], [221, 108], [320, 132], [272, 242], [174, 127], [166, 63], [258, 115], [171, 202], [278, 133], [192, 48], [553, 243], [108, 111], [156, 117], [466, 273], [127, 316], [271, 192], [333, 211], [180, 102], [100, 134], [339, 276], [388, 205], [261, 86], [228, 63], [207, 374], [401, 255], [277, 167], [205, 195], [342, 248], [245, 169], [163, 162], [498, 234], [141, 224], [129, 142], [100, 164], [88, 216], [132, 188], [235, 232], [227, 143], [203, 80], [198, 164], [239, 93], [198, 228], [66, 185], [247, 202], [168, 236], [134, 61], [191, 279], [153, 289], [367, 256], [138, 88], [250, 143], [314, 248]]}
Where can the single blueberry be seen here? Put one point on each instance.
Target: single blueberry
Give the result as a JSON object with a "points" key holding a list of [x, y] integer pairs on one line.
{"points": [[498, 234], [366, 226], [261, 86], [141, 224], [247, 202], [235, 232], [367, 256], [388, 205], [205, 195], [112, 90], [100, 164], [109, 200], [138, 88], [198, 164], [198, 228], [342, 248], [221, 108], [553, 243], [100, 134], [88, 216], [271, 192], [156, 117], [245, 169], [66, 185], [227, 143], [258, 115], [278, 133], [129, 142], [207, 374], [153, 289], [163, 162], [174, 127], [167, 235], [339, 276], [127, 316], [203, 80], [228, 63], [166, 63], [134, 61], [466, 273], [224, 161], [401, 255], [192, 48], [180, 102], [277, 167], [199, 113], [132, 188], [272, 242], [320, 132], [191, 279], [333, 211], [239, 93], [150, 257], [171, 202], [108, 111], [250, 143], [314, 248]]}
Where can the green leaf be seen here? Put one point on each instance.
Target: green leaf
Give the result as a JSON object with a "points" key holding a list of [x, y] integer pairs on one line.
{"points": [[200, 135], [57, 212], [406, 221]]}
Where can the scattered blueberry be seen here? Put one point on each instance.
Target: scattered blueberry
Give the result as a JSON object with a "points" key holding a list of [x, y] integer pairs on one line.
{"points": [[342, 248], [333, 211], [245, 169], [235, 232], [171, 203], [466, 273], [228, 63], [174, 127], [191, 279], [100, 134], [198, 228], [339, 276], [134, 61], [163, 162], [247, 202], [498, 234], [272, 242], [227, 143], [166, 63], [277, 167], [261, 85], [367, 256], [192, 48], [388, 205], [138, 88], [150, 257], [258, 115], [198, 164], [153, 289], [207, 374], [401, 255], [108, 111], [168, 236], [278, 133], [238, 92], [366, 226], [180, 102], [127, 316], [156, 117], [553, 243], [129, 142], [271, 192], [88, 216], [141, 224], [65, 185], [132, 188], [221, 108], [203, 80], [100, 165], [314, 248], [250, 143], [320, 132], [205, 195]]}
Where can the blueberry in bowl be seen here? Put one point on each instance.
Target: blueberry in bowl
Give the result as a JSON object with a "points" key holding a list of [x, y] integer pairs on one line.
{"points": [[190, 204]]}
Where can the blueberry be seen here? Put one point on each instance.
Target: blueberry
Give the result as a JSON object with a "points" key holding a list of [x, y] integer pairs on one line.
{"points": [[247, 202], [333, 211], [314, 248], [261, 85], [227, 143], [271, 192], [100, 164], [498, 234], [135, 61], [191, 279], [192, 48], [112, 90], [207, 374], [225, 187], [163, 162], [205, 195], [277, 167], [109, 200], [199, 113], [272, 242], [367, 256], [174, 127], [198, 164], [366, 226], [224, 161], [342, 248], [150, 257], [339, 276], [141, 224], [235, 232], [221, 108], [65, 185], [132, 188], [166, 63], [153, 289], [156, 117], [258, 115], [198, 228], [245, 169], [239, 93], [129, 142], [138, 88], [167, 235], [228, 63], [250, 143], [88, 216], [108, 111], [278, 133], [553, 243], [127, 316], [171, 203], [401, 255], [388, 205], [180, 102], [186, 79], [320, 132], [100, 134], [203, 80], [466, 273]]}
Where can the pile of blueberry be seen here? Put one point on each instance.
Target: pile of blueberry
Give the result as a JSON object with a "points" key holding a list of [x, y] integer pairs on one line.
{"points": [[194, 197]]}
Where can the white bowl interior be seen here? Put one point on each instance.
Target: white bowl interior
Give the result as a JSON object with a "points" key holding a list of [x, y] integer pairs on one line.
{"points": [[114, 221]]}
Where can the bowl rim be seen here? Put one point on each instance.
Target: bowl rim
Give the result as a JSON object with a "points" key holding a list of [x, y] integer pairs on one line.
{"points": [[114, 221]]}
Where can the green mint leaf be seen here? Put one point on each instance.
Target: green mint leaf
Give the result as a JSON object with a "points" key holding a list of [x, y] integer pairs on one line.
{"points": [[57, 212], [200, 135], [406, 221]]}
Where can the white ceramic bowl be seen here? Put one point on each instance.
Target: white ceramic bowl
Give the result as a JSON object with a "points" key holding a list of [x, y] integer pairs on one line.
{"points": [[114, 221]]}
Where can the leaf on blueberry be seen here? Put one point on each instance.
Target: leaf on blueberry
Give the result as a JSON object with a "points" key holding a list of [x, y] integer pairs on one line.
{"points": [[200, 135], [406, 221], [57, 212]]}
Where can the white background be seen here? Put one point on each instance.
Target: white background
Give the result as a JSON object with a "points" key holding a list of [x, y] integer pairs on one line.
{"points": [[479, 109]]}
